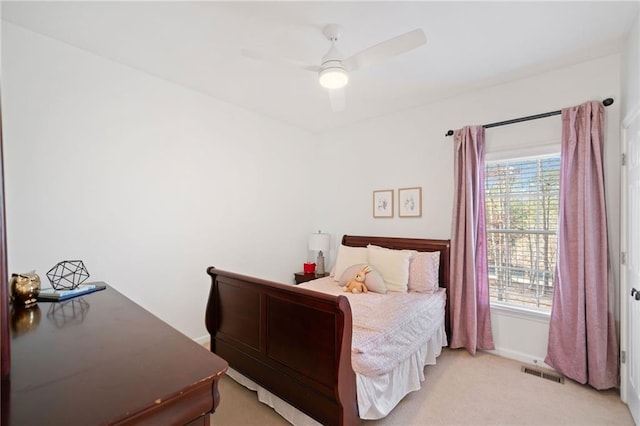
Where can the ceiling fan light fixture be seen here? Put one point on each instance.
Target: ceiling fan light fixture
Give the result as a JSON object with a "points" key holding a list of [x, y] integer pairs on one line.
{"points": [[333, 78]]}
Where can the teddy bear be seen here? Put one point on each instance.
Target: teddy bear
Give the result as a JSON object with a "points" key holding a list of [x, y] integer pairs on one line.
{"points": [[357, 284]]}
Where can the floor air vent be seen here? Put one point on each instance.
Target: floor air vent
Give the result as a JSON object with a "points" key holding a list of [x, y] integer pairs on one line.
{"points": [[543, 374]]}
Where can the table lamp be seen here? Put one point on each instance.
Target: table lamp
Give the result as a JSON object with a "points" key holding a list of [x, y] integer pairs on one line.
{"points": [[319, 242]]}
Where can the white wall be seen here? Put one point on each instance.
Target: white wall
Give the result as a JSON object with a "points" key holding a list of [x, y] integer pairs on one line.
{"points": [[167, 181], [145, 181], [631, 70], [410, 149]]}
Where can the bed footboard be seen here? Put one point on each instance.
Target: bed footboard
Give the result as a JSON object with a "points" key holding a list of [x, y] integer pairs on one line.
{"points": [[292, 341]]}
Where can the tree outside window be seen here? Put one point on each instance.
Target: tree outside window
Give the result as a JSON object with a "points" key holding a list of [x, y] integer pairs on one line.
{"points": [[521, 199]]}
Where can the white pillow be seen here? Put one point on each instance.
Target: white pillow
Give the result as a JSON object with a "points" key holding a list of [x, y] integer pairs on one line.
{"points": [[424, 272], [348, 256], [393, 265]]}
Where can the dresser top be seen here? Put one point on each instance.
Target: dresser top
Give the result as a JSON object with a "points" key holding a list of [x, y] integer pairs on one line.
{"points": [[98, 359]]}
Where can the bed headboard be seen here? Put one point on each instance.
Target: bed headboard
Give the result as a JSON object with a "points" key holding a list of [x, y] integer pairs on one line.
{"points": [[419, 244]]}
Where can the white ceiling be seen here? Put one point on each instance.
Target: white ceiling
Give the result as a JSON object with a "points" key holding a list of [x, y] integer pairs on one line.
{"points": [[197, 44]]}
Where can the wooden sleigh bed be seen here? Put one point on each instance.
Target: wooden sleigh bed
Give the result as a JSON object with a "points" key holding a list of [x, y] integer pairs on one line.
{"points": [[296, 342]]}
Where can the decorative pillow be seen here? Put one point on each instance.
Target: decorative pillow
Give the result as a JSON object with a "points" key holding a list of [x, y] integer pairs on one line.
{"points": [[373, 280], [393, 265], [348, 256], [423, 272]]}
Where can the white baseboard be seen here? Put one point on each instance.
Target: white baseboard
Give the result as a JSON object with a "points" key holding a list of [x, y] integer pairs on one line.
{"points": [[521, 357], [203, 340]]}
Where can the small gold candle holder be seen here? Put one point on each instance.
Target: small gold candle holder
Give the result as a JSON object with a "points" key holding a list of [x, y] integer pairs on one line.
{"points": [[24, 289]]}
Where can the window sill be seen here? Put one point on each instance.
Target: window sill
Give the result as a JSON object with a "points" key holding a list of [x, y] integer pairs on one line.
{"points": [[521, 312]]}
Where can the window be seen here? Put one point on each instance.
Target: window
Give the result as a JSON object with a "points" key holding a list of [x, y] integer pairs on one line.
{"points": [[521, 199]]}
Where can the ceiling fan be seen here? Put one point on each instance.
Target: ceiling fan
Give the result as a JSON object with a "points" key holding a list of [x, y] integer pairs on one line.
{"points": [[334, 68]]}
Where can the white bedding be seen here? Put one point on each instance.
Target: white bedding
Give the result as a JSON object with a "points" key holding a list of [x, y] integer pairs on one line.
{"points": [[394, 336], [387, 328]]}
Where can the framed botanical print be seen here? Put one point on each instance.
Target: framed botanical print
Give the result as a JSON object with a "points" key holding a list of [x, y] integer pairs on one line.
{"points": [[383, 203], [410, 202]]}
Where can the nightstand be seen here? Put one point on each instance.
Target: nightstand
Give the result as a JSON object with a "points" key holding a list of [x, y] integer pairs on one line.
{"points": [[301, 277]]}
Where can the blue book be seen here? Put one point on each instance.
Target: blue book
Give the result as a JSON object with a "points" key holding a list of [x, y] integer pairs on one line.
{"points": [[50, 295]]}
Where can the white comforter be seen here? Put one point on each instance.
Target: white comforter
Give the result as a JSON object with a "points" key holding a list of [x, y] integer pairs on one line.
{"points": [[387, 328]]}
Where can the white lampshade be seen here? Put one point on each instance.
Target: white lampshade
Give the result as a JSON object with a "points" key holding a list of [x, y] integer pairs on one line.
{"points": [[333, 78], [319, 242]]}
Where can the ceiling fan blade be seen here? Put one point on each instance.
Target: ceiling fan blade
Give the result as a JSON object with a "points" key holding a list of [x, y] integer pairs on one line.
{"points": [[386, 49], [277, 60], [337, 99]]}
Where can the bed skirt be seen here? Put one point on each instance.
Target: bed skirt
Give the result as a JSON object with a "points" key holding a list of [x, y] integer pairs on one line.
{"points": [[377, 396]]}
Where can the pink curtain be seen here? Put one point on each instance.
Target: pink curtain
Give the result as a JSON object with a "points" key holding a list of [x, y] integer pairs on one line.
{"points": [[582, 336], [469, 310]]}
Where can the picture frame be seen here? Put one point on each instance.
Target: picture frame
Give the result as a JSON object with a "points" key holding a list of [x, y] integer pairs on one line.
{"points": [[383, 203], [410, 202]]}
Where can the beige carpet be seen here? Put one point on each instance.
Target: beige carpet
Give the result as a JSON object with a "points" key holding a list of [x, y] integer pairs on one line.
{"points": [[462, 390]]}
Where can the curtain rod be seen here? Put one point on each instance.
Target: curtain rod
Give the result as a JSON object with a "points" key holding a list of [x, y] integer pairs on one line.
{"points": [[606, 103]]}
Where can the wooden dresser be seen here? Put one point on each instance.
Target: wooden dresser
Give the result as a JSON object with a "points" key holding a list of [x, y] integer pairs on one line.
{"points": [[100, 359]]}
